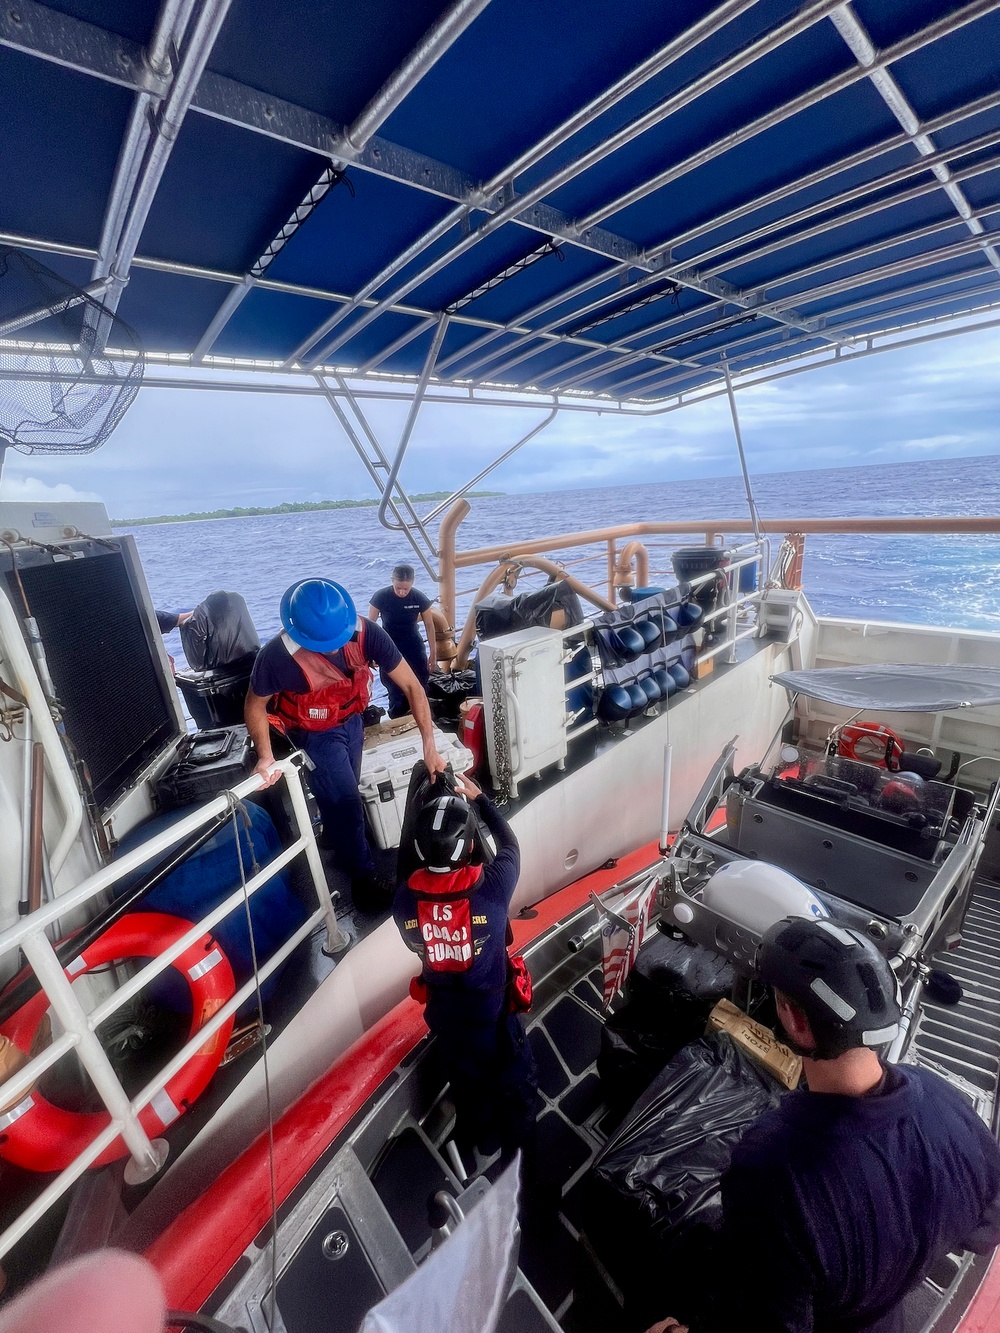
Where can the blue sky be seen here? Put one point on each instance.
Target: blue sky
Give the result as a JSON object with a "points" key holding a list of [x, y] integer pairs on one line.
{"points": [[181, 450]]}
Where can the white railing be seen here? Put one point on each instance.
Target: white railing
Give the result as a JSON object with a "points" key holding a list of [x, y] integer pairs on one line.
{"points": [[80, 1026], [758, 554]]}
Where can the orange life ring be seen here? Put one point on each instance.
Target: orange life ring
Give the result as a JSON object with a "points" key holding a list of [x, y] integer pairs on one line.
{"points": [[38, 1136], [869, 743]]}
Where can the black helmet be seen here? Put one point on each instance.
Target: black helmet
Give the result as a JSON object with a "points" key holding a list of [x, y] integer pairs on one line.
{"points": [[837, 978], [444, 834]]}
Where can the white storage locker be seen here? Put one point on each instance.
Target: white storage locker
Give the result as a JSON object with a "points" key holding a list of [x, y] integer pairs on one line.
{"points": [[524, 695]]}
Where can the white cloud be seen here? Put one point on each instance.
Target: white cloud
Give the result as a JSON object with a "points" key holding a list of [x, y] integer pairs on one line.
{"points": [[32, 489]]}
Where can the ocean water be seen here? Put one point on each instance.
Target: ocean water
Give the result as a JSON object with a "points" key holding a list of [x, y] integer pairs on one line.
{"points": [[947, 580]]}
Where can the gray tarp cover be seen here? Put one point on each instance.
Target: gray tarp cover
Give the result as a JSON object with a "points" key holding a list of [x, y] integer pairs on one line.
{"points": [[901, 687]]}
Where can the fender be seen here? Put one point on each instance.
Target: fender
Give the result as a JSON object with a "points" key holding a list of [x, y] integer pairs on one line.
{"points": [[39, 1136]]}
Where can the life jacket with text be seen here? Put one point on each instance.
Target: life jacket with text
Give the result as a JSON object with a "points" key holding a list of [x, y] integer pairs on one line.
{"points": [[444, 918], [333, 695], [448, 944]]}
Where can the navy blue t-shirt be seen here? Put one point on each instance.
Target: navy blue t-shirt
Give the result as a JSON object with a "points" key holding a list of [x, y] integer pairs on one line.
{"points": [[400, 614], [276, 670], [478, 994], [835, 1207]]}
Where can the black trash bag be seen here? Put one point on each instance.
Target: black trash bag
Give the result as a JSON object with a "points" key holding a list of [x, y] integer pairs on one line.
{"points": [[651, 1206], [420, 791], [669, 995], [446, 692], [504, 615], [669, 1157], [220, 633]]}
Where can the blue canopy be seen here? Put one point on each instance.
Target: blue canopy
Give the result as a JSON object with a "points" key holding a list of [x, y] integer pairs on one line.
{"points": [[562, 195]]}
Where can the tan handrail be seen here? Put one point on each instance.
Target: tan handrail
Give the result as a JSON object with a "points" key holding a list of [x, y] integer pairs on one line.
{"points": [[507, 572], [704, 530], [964, 524]]}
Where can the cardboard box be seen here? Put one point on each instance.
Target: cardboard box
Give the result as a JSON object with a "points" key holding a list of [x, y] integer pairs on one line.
{"points": [[758, 1041]]}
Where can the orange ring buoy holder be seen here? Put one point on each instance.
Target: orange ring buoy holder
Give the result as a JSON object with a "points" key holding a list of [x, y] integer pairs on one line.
{"points": [[869, 743], [39, 1136]]}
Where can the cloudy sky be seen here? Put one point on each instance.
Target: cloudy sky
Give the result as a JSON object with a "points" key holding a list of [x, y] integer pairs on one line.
{"points": [[183, 450]]}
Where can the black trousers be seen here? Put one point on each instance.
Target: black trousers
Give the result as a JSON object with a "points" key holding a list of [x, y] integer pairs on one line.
{"points": [[493, 1080]]}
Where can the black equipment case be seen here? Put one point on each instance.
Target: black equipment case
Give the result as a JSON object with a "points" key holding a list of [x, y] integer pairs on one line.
{"points": [[207, 762]]}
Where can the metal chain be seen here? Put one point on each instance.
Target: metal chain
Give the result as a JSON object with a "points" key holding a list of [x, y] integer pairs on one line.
{"points": [[501, 751]]}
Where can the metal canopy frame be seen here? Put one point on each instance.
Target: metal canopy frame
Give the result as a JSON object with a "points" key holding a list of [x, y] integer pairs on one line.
{"points": [[540, 274]]}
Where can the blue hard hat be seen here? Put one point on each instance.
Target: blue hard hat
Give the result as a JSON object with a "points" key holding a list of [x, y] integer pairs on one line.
{"points": [[650, 687], [615, 704], [318, 614], [680, 674]]}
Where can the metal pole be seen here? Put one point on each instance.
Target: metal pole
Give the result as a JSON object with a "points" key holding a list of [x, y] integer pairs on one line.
{"points": [[457, 495], [147, 1156], [336, 940], [372, 469], [44, 729], [411, 416], [428, 51], [668, 754], [754, 517], [22, 905]]}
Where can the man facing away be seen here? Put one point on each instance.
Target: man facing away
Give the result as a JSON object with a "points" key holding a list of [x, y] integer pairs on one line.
{"points": [[453, 913], [843, 1198], [401, 606], [313, 682]]}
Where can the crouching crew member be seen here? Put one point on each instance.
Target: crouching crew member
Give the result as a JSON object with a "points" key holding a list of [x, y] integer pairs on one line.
{"points": [[313, 682], [453, 913], [401, 606], [847, 1195]]}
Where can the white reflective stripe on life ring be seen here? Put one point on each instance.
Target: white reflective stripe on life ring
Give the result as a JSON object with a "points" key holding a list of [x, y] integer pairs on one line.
{"points": [[15, 1112], [77, 965], [164, 1108], [206, 964]]}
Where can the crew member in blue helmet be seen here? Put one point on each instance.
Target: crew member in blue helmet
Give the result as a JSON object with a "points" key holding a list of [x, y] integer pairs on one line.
{"points": [[849, 1194], [453, 912], [401, 607], [313, 682]]}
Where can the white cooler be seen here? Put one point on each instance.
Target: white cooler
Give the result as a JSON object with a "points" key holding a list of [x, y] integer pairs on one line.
{"points": [[385, 778]]}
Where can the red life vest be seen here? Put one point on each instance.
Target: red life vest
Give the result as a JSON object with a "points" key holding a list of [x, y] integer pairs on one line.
{"points": [[333, 695], [444, 917]]}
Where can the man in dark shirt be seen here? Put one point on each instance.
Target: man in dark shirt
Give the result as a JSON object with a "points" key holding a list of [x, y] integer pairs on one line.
{"points": [[843, 1198], [313, 682], [453, 913], [401, 606]]}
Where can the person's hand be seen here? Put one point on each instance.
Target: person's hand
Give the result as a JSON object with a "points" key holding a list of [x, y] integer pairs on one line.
{"points": [[105, 1290], [268, 770], [435, 764], [666, 1325], [466, 787]]}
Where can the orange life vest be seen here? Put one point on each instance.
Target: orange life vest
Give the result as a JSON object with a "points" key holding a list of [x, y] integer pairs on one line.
{"points": [[333, 695]]}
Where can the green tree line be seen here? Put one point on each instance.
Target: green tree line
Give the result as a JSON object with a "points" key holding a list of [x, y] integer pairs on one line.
{"points": [[289, 507]]}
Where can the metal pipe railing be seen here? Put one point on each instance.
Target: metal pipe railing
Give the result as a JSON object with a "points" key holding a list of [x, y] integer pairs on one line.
{"points": [[708, 530], [80, 1027], [43, 730]]}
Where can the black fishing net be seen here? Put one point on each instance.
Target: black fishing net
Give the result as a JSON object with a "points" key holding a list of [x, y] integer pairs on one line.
{"points": [[67, 378]]}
